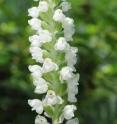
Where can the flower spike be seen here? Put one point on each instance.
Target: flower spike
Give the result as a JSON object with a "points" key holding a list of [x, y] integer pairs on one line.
{"points": [[54, 75]]}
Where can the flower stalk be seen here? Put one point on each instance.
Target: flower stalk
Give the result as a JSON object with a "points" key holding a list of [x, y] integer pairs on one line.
{"points": [[54, 76]]}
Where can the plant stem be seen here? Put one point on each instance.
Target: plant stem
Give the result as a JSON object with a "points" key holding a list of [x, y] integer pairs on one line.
{"points": [[55, 122]]}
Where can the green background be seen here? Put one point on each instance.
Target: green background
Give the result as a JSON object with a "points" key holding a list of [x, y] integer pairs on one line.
{"points": [[96, 38]]}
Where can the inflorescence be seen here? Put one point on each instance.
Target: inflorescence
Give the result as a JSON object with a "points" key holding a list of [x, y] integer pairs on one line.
{"points": [[54, 75]]}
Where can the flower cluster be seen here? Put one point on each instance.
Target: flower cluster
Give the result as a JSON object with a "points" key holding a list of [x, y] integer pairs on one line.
{"points": [[54, 76]]}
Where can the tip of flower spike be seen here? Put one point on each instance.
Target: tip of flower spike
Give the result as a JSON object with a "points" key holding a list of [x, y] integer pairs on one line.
{"points": [[65, 6]]}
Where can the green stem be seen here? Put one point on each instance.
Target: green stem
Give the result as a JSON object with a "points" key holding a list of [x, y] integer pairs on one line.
{"points": [[55, 122]]}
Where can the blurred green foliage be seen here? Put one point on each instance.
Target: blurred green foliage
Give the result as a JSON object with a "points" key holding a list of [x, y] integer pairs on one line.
{"points": [[96, 38]]}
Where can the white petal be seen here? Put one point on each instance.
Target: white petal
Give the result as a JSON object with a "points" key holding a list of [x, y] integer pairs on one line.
{"points": [[35, 41], [72, 88], [72, 97], [41, 120], [33, 12], [69, 111], [52, 99], [69, 30], [41, 86], [35, 23], [49, 66], [43, 6], [73, 121], [74, 80], [36, 71], [59, 16], [33, 68], [71, 56], [37, 54], [66, 73], [36, 105], [45, 36], [61, 44]]}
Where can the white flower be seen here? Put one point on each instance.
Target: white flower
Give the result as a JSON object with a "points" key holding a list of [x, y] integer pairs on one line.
{"points": [[74, 80], [59, 16], [48, 66], [45, 36], [72, 88], [73, 121], [36, 105], [71, 56], [35, 41], [37, 54], [43, 6], [41, 120], [69, 30], [36, 71], [65, 6], [69, 111], [68, 23], [33, 12], [71, 96], [61, 44], [66, 73], [52, 99], [41, 86], [35, 23]]}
